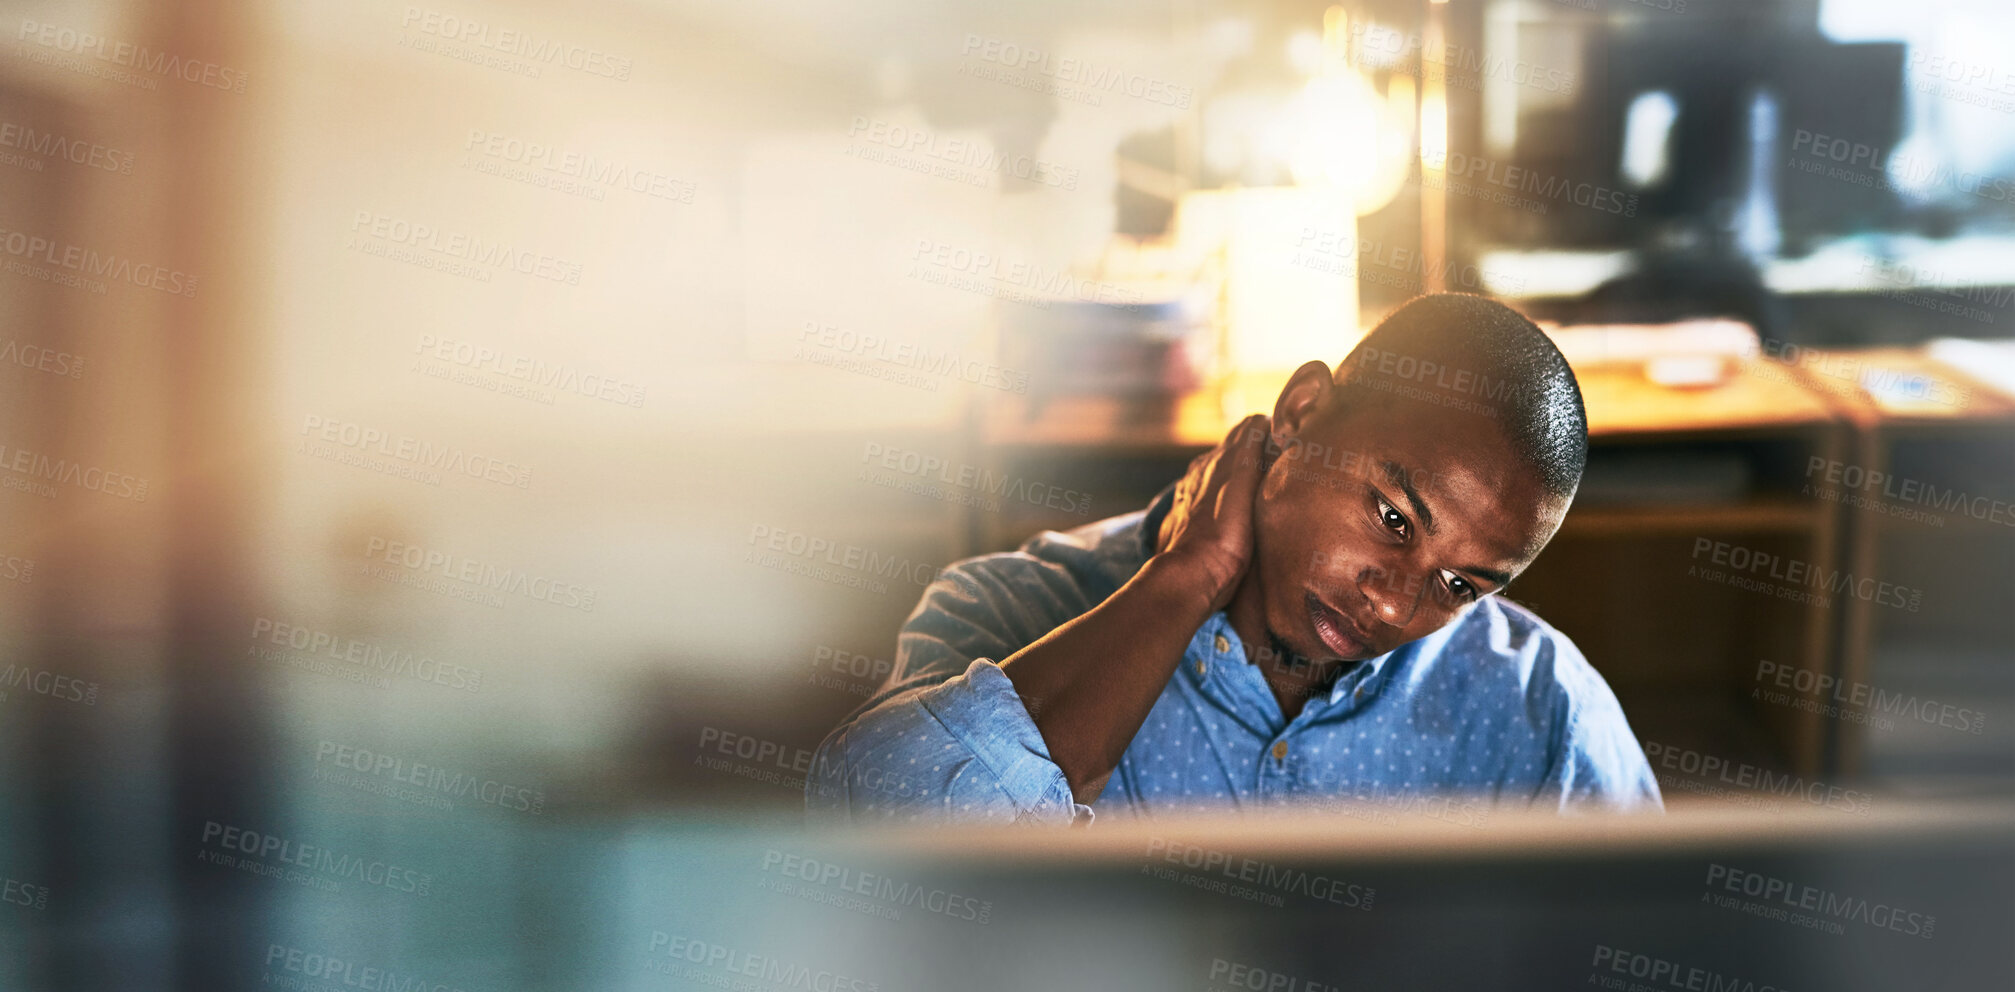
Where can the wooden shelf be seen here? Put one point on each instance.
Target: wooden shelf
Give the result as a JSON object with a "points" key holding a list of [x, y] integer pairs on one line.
{"points": [[1977, 403], [1955, 524], [1103, 424], [1757, 395], [1770, 514], [1621, 403]]}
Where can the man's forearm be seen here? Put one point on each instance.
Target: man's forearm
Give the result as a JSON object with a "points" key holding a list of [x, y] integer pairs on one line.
{"points": [[1090, 683]]}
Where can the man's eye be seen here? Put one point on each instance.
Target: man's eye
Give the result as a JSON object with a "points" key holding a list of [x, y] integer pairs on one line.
{"points": [[1390, 517], [1461, 587]]}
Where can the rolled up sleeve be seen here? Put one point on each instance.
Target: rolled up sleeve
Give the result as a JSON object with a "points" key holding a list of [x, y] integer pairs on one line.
{"points": [[948, 739], [964, 749]]}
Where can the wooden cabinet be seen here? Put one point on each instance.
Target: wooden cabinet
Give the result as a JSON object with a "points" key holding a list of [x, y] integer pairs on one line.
{"points": [[1927, 496]]}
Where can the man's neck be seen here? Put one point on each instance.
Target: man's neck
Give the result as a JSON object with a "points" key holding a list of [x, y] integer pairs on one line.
{"points": [[1292, 678], [1247, 613]]}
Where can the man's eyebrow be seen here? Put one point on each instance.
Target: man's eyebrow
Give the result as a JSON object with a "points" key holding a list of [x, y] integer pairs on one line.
{"points": [[1397, 473], [1497, 579]]}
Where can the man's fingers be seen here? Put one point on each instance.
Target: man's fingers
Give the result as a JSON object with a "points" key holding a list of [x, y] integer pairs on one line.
{"points": [[1246, 433], [1239, 440], [1248, 442], [1214, 499], [1258, 429], [1233, 473]]}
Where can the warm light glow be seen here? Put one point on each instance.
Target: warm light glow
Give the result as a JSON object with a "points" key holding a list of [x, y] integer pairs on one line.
{"points": [[1434, 130], [1346, 138], [1290, 270], [1337, 124]]}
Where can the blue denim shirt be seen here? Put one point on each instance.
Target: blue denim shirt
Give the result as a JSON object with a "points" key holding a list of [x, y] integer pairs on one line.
{"points": [[1496, 707]]}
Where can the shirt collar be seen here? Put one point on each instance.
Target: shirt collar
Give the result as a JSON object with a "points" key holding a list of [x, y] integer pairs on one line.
{"points": [[1365, 676]]}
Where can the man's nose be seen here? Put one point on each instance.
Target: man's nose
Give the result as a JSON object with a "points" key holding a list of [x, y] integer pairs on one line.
{"points": [[1393, 591]]}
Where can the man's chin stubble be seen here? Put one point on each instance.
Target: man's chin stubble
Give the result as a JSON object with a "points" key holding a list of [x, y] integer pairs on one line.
{"points": [[1283, 657]]}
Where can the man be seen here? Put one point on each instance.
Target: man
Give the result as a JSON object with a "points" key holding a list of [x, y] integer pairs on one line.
{"points": [[1307, 616]]}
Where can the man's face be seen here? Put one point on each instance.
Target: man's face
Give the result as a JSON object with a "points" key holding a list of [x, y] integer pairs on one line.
{"points": [[1380, 524]]}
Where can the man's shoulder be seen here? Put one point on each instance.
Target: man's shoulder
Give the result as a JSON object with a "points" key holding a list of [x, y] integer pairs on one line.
{"points": [[1542, 660], [996, 604], [1596, 753], [1508, 629], [1085, 563]]}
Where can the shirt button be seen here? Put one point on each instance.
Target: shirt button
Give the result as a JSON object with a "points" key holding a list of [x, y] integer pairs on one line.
{"points": [[1201, 667], [1279, 750], [1223, 644]]}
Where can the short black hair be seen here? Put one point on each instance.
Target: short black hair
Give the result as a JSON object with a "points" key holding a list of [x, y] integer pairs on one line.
{"points": [[1476, 354]]}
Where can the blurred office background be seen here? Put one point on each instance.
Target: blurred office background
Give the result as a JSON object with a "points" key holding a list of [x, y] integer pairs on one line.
{"points": [[476, 451]]}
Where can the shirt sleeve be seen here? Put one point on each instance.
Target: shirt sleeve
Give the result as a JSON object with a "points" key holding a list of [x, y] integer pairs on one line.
{"points": [[948, 739], [1597, 763]]}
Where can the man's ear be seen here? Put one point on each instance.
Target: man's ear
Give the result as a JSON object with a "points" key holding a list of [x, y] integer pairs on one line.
{"points": [[1305, 395]]}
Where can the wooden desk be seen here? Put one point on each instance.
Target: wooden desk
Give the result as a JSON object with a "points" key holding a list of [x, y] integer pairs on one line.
{"points": [[1619, 400]]}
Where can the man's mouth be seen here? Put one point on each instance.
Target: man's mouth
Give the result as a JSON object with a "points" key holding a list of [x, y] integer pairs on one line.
{"points": [[1338, 632]]}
